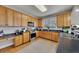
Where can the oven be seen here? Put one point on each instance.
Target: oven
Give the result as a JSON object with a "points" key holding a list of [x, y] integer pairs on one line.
{"points": [[33, 36]]}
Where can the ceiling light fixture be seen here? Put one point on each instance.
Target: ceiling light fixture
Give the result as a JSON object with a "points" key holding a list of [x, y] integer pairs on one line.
{"points": [[42, 8]]}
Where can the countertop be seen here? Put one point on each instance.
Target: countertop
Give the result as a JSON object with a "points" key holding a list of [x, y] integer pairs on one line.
{"points": [[9, 36], [68, 45], [51, 30]]}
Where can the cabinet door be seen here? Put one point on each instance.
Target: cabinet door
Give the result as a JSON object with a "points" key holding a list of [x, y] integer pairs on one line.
{"points": [[37, 33], [54, 36], [63, 20], [18, 40], [24, 20], [29, 18], [59, 21], [9, 17], [25, 37], [67, 21], [3, 20], [48, 35], [17, 19], [39, 22], [45, 34]]}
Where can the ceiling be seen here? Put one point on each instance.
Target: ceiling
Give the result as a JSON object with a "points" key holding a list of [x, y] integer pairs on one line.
{"points": [[33, 11]]}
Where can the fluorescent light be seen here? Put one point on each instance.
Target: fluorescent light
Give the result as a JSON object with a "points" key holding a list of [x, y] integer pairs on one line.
{"points": [[42, 8], [77, 10]]}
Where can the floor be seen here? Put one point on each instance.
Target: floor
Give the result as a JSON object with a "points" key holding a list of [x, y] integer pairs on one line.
{"points": [[38, 46]]}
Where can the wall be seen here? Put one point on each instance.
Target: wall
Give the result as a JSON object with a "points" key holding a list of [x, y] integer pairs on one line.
{"points": [[8, 30], [75, 16], [49, 21]]}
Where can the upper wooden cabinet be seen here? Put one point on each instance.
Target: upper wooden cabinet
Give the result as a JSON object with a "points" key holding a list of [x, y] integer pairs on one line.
{"points": [[24, 20], [9, 17], [67, 20], [63, 20], [17, 18], [39, 22], [35, 20], [60, 21], [2, 16]]}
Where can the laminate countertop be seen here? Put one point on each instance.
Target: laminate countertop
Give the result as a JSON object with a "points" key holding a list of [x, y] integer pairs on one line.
{"points": [[51, 30], [9, 36], [68, 45]]}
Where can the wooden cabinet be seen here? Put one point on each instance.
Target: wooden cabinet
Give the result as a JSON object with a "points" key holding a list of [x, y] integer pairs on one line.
{"points": [[37, 33], [24, 20], [39, 22], [67, 20], [49, 35], [63, 20], [35, 20], [45, 34], [54, 36], [60, 21], [17, 19], [3, 19], [18, 40], [9, 17], [26, 37]]}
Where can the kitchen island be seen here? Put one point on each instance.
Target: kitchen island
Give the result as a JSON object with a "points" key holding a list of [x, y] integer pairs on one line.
{"points": [[68, 45]]}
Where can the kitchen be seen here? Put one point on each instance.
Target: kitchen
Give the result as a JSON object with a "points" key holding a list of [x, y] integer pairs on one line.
{"points": [[23, 25]]}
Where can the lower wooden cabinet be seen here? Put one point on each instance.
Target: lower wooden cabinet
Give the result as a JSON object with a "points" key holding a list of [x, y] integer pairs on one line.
{"points": [[49, 35], [18, 40], [37, 34], [26, 36], [46, 34], [54, 36]]}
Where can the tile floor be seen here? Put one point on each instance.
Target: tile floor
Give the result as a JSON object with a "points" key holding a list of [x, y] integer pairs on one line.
{"points": [[40, 46], [37, 46]]}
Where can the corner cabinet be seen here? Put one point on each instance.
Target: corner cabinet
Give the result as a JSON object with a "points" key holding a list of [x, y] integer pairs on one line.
{"points": [[3, 18], [54, 36], [63, 20]]}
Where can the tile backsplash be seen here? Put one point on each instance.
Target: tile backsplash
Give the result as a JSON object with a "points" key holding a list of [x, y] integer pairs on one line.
{"points": [[8, 30]]}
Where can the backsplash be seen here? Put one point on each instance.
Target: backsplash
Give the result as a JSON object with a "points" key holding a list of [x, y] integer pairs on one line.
{"points": [[8, 30]]}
